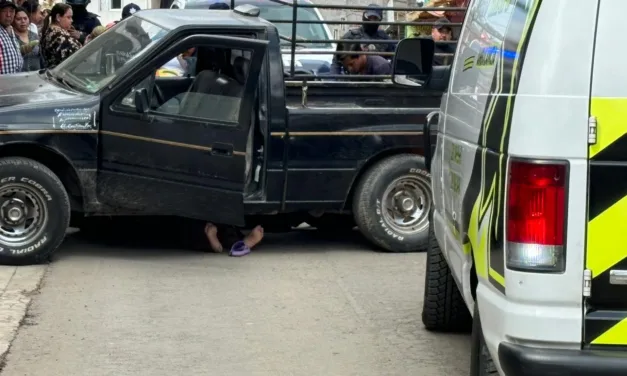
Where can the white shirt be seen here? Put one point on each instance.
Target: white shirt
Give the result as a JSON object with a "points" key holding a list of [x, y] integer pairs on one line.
{"points": [[32, 27]]}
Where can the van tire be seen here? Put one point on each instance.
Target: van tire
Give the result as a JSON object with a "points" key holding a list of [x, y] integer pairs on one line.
{"points": [[444, 308], [380, 181], [31, 187], [481, 363]]}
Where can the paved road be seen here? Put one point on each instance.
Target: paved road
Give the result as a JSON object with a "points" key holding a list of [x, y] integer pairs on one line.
{"points": [[297, 306]]}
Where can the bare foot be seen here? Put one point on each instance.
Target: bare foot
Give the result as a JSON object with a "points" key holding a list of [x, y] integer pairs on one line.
{"points": [[254, 237], [212, 235]]}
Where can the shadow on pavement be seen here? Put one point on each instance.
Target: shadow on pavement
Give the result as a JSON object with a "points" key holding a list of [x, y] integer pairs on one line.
{"points": [[163, 237]]}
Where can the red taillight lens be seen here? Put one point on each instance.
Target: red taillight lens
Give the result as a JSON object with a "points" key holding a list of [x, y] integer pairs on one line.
{"points": [[536, 215]]}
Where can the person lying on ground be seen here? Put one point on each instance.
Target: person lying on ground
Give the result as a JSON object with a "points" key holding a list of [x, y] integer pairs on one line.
{"points": [[240, 245]]}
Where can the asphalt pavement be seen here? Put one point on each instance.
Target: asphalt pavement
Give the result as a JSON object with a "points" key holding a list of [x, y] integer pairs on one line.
{"points": [[298, 305]]}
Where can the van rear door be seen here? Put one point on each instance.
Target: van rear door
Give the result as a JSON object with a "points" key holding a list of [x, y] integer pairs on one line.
{"points": [[606, 253]]}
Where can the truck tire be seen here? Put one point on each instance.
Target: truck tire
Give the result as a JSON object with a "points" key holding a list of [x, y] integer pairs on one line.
{"points": [[481, 363], [391, 204], [34, 212], [444, 308]]}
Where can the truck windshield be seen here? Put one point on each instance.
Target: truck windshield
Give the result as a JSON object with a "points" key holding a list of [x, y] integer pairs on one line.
{"points": [[100, 61], [303, 31]]}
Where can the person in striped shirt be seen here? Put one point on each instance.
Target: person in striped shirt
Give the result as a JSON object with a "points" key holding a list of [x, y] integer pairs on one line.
{"points": [[11, 60]]}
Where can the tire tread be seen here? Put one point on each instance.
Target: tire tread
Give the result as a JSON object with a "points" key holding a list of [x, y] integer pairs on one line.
{"points": [[444, 308]]}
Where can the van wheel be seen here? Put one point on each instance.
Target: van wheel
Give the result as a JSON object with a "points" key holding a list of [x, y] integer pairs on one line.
{"points": [[391, 204], [34, 212], [481, 363], [444, 308]]}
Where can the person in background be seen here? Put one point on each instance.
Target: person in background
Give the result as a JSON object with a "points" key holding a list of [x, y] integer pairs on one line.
{"points": [[84, 22], [367, 32], [357, 63], [28, 41], [11, 60], [57, 44], [95, 33], [128, 10], [35, 15], [442, 32]]}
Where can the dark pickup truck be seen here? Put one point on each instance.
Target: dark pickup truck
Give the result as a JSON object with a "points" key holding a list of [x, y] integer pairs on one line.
{"points": [[231, 142]]}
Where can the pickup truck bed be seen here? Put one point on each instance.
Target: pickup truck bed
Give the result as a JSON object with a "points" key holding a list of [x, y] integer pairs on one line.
{"points": [[341, 130]]}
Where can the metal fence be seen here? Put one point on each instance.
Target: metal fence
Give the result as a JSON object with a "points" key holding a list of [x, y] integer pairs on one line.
{"points": [[294, 41]]}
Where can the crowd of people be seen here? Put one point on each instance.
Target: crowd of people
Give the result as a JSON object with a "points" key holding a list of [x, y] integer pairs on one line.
{"points": [[354, 62], [33, 37]]}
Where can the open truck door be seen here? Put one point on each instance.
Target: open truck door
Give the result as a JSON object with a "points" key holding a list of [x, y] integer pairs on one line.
{"points": [[182, 153]]}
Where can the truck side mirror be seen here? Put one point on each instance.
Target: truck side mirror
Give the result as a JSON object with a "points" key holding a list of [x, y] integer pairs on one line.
{"points": [[413, 61], [141, 100]]}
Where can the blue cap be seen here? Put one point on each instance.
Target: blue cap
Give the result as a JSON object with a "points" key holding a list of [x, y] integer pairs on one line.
{"points": [[374, 11]]}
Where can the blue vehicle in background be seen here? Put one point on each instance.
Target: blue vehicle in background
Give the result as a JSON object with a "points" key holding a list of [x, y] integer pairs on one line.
{"points": [[315, 63]]}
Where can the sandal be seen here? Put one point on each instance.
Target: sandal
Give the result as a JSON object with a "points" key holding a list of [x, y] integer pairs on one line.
{"points": [[239, 249]]}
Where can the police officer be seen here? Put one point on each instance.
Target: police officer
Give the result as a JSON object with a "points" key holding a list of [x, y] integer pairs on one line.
{"points": [[365, 32], [84, 22]]}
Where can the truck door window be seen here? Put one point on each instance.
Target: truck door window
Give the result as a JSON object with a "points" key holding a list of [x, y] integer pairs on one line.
{"points": [[212, 90]]}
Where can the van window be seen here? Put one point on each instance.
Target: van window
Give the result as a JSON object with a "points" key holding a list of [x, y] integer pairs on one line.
{"points": [[481, 44]]}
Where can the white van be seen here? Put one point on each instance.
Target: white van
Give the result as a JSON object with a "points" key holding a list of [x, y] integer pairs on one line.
{"points": [[528, 245]]}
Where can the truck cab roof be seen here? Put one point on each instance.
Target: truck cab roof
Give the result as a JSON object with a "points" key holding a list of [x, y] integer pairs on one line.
{"points": [[183, 18]]}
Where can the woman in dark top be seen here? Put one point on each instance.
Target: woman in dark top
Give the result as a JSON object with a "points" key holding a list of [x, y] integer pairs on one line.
{"points": [[28, 41], [56, 42]]}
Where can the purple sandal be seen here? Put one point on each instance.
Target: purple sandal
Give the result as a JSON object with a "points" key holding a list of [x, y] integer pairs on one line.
{"points": [[239, 249]]}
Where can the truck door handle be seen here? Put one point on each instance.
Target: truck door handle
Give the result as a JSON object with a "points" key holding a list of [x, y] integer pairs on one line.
{"points": [[224, 150]]}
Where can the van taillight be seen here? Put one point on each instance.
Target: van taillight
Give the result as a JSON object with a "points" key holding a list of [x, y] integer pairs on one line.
{"points": [[536, 216]]}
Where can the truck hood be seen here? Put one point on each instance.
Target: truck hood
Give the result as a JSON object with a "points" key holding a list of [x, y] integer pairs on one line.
{"points": [[30, 101]]}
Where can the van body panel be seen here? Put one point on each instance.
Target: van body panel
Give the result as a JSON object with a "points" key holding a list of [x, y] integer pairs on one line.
{"points": [[521, 87], [475, 136], [606, 252]]}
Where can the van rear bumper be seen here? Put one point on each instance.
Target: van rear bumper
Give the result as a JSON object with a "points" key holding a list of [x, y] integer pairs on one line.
{"points": [[517, 360]]}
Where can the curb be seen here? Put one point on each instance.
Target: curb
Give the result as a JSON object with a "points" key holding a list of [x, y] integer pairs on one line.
{"points": [[17, 287]]}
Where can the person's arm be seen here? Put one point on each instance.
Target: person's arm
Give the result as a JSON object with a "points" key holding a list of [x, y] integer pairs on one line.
{"points": [[2, 62], [67, 44], [336, 66]]}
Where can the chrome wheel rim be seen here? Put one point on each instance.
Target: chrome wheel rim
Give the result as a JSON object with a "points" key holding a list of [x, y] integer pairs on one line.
{"points": [[23, 214], [406, 204]]}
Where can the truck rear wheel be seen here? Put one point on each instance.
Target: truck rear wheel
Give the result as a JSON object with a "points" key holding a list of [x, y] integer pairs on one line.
{"points": [[34, 211], [444, 308], [391, 204]]}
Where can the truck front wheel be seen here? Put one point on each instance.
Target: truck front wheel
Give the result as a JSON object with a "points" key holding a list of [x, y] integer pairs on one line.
{"points": [[391, 204], [34, 211]]}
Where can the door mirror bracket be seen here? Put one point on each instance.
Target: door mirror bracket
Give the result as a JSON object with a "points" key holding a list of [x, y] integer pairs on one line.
{"points": [[142, 103]]}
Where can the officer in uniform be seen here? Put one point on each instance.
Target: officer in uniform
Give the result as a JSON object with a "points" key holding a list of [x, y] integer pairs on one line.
{"points": [[84, 22], [365, 32]]}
